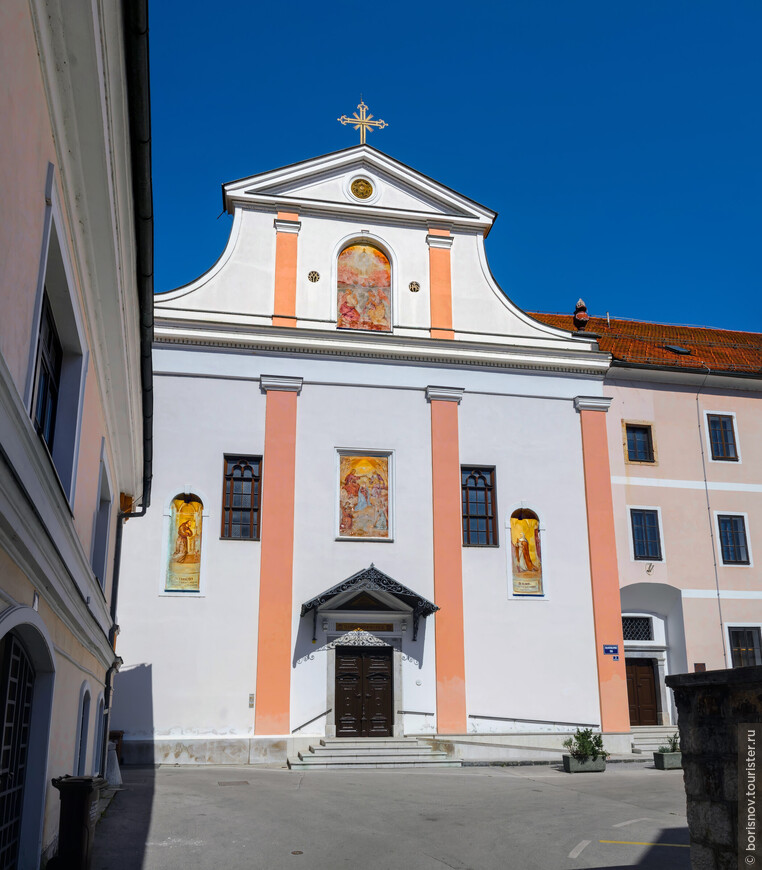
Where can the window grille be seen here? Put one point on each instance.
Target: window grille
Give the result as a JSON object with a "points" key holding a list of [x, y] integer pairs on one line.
{"points": [[241, 496], [637, 628], [640, 445], [745, 647], [479, 513], [722, 437], [733, 540], [646, 544]]}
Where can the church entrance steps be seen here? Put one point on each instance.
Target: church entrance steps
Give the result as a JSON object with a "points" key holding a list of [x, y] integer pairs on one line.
{"points": [[648, 738], [387, 752]]}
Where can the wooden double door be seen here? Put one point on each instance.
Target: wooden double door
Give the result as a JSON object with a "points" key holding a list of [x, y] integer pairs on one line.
{"points": [[641, 692], [364, 692]]}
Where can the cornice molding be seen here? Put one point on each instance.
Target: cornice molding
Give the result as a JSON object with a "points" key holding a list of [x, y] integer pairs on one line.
{"points": [[327, 208], [268, 339], [282, 384], [592, 403], [439, 241], [286, 226], [444, 394]]}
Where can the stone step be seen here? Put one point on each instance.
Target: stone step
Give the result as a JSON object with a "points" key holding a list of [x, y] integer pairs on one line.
{"points": [[346, 752], [400, 742], [311, 763], [372, 747], [376, 754]]}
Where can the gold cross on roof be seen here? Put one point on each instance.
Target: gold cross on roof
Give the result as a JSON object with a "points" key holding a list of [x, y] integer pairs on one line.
{"points": [[362, 121]]}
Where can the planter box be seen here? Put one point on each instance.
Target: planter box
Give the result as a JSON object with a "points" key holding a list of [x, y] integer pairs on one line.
{"points": [[668, 760], [572, 765]]}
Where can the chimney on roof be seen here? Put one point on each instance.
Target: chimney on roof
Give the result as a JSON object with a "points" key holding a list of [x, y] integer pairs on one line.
{"points": [[581, 316]]}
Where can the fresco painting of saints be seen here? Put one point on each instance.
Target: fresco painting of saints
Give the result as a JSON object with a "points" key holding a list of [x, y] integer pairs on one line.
{"points": [[364, 496], [184, 564], [526, 554], [364, 289]]}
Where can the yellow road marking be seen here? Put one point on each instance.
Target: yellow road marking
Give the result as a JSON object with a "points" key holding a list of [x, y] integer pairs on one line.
{"points": [[629, 843]]}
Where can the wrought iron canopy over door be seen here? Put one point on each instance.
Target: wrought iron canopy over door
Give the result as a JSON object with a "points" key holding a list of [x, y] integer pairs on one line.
{"points": [[364, 692], [17, 685]]}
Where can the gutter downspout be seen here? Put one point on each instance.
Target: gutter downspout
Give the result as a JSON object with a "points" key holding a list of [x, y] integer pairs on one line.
{"points": [[137, 73], [709, 514]]}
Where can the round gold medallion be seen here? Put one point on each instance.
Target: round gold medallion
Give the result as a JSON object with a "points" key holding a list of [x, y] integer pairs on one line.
{"points": [[362, 188]]}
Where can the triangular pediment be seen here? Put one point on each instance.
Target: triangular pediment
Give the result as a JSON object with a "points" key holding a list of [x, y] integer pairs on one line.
{"points": [[326, 184], [364, 601]]}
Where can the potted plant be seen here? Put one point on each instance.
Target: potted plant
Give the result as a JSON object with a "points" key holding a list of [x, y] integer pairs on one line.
{"points": [[669, 757], [586, 752]]}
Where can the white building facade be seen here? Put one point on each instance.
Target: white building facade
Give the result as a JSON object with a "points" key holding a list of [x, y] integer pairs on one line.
{"points": [[385, 488]]}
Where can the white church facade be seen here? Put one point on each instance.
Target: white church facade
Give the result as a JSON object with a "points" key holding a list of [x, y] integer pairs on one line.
{"points": [[382, 499]]}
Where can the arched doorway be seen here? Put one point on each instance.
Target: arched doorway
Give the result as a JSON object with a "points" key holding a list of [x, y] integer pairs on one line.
{"points": [[27, 676], [17, 687]]}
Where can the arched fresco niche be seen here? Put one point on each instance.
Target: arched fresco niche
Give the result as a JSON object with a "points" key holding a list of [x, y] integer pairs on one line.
{"points": [[526, 553], [184, 545], [364, 280]]}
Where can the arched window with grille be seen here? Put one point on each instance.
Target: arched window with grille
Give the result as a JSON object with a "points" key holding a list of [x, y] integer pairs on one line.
{"points": [[364, 289], [526, 553], [479, 507], [241, 495]]}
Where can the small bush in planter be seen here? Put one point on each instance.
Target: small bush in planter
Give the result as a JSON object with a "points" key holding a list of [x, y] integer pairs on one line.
{"points": [[669, 757], [586, 752]]}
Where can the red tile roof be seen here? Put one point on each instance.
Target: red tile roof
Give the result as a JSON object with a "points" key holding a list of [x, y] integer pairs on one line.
{"points": [[642, 343]]}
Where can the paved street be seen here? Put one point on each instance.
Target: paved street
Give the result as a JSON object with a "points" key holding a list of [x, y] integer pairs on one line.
{"points": [[528, 818]]}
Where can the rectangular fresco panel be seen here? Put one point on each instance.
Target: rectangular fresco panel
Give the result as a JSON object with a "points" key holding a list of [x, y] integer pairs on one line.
{"points": [[363, 496], [526, 556], [364, 289], [184, 563]]}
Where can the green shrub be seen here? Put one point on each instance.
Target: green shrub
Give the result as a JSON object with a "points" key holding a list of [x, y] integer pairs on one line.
{"points": [[585, 745], [674, 744]]}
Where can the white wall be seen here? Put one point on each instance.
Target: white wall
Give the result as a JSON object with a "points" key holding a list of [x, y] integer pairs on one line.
{"points": [[190, 660]]}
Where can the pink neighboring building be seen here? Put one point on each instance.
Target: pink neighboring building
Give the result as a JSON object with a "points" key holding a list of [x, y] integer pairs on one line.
{"points": [[685, 445], [75, 380]]}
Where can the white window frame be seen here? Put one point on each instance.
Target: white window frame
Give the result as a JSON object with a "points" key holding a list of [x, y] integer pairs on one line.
{"points": [[392, 489], [68, 428], [183, 489], [723, 563], [645, 507], [728, 644], [513, 596], [708, 437]]}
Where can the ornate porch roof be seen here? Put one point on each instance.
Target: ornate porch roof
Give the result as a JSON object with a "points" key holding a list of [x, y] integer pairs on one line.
{"points": [[373, 579]]}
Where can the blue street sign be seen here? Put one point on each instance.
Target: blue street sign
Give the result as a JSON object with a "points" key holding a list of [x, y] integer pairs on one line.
{"points": [[611, 649]]}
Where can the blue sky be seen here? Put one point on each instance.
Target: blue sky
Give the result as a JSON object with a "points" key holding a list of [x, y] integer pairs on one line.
{"points": [[620, 142]]}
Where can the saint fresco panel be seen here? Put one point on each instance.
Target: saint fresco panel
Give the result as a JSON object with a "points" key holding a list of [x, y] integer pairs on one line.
{"points": [[526, 554], [363, 496], [364, 289], [184, 563]]}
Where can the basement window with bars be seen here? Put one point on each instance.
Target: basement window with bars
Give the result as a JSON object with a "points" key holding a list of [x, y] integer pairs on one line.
{"points": [[241, 493], [637, 628]]}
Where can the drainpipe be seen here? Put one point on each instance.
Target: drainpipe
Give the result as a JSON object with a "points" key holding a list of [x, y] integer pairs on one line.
{"points": [[135, 13], [709, 514]]}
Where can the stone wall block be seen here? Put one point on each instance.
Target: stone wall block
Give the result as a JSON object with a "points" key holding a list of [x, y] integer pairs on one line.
{"points": [[711, 705], [702, 858]]}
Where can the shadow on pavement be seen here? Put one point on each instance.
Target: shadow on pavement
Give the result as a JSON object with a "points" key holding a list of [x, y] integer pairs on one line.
{"points": [[658, 857], [122, 833]]}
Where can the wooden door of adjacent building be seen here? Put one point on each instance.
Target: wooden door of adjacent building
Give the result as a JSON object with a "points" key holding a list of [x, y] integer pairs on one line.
{"points": [[641, 692], [364, 692]]}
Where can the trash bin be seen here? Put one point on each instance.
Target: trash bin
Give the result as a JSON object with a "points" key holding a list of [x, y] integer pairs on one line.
{"points": [[79, 803]]}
